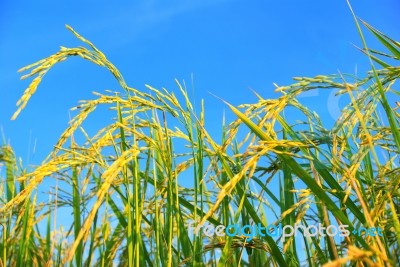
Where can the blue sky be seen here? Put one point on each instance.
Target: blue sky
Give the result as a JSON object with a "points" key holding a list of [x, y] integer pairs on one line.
{"points": [[227, 47]]}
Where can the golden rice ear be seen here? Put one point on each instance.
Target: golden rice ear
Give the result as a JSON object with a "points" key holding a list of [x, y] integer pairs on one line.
{"points": [[41, 67], [85, 41]]}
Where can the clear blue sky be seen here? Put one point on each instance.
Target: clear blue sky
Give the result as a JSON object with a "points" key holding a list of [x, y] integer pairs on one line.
{"points": [[228, 47]]}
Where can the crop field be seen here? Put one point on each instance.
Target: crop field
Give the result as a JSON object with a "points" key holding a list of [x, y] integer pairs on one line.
{"points": [[155, 188]]}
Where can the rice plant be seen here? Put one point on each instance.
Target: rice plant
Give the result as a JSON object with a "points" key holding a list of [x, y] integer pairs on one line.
{"points": [[154, 187]]}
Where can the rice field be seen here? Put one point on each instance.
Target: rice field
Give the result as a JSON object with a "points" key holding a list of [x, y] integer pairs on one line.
{"points": [[155, 188]]}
